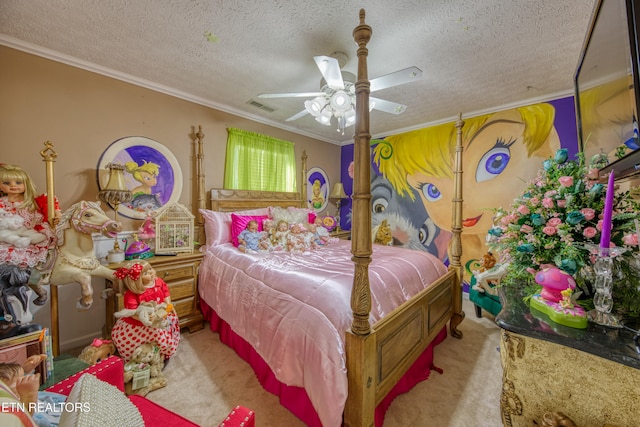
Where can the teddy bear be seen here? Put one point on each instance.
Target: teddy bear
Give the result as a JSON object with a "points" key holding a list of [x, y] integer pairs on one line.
{"points": [[382, 234], [146, 356], [149, 313], [13, 231], [98, 350]]}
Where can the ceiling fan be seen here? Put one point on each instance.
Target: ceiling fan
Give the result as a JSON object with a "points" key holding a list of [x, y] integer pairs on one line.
{"points": [[336, 97]]}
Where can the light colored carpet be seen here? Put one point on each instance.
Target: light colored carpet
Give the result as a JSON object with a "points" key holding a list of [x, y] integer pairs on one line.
{"points": [[206, 380]]}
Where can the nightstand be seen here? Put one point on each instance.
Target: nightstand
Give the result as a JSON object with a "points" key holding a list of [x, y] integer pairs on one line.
{"points": [[341, 234], [181, 274]]}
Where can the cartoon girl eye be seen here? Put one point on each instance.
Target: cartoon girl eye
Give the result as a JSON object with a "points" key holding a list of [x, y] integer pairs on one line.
{"points": [[431, 192], [494, 161], [379, 205]]}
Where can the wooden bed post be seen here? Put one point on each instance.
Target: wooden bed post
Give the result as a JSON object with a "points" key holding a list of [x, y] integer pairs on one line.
{"points": [[360, 343], [202, 201], [455, 250], [303, 185]]}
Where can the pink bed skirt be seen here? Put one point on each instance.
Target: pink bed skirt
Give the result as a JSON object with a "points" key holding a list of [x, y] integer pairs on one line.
{"points": [[295, 399]]}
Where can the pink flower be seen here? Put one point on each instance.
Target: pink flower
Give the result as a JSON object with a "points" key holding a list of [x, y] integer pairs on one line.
{"points": [[526, 228], [534, 201], [549, 231], [566, 181], [561, 203], [547, 203], [554, 222], [523, 210], [589, 232], [550, 193], [593, 173], [630, 239], [588, 213]]}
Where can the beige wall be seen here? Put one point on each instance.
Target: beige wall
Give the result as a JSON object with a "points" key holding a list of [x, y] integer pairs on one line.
{"points": [[81, 113]]}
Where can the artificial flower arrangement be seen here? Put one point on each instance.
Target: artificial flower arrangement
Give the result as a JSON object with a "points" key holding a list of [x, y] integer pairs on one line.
{"points": [[557, 220]]}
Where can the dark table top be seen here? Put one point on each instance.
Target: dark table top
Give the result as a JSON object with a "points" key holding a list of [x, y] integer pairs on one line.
{"points": [[613, 344]]}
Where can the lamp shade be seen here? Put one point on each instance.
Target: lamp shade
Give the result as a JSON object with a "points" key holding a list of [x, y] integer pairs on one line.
{"points": [[116, 190], [338, 191]]}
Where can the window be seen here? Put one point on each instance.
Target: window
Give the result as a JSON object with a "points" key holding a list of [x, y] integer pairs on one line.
{"points": [[259, 162]]}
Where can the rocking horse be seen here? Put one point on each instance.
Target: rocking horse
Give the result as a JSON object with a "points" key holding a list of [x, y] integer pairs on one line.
{"points": [[75, 259]]}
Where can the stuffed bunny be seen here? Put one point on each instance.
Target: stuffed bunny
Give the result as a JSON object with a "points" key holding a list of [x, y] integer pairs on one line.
{"points": [[13, 231]]}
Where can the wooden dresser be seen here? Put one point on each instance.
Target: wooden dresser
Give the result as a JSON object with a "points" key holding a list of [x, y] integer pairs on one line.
{"points": [[181, 274]]}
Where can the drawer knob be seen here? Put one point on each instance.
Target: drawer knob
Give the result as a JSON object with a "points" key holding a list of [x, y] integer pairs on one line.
{"points": [[165, 275]]}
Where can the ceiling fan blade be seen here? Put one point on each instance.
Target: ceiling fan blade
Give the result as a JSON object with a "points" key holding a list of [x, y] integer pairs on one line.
{"points": [[290, 95], [396, 78], [387, 106], [297, 116], [330, 69]]}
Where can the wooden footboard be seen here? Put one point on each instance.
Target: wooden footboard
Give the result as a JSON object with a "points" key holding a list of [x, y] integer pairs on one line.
{"points": [[377, 361]]}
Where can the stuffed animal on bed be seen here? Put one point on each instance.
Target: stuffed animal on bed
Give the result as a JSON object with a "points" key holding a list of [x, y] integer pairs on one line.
{"points": [[382, 234], [13, 231], [98, 350]]}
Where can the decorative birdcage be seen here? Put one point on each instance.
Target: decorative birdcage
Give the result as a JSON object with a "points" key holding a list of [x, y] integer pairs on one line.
{"points": [[174, 229]]}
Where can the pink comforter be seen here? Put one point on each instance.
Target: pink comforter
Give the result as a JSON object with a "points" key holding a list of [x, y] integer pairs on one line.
{"points": [[294, 309]]}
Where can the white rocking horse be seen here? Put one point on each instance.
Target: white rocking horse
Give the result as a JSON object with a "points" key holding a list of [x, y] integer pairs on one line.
{"points": [[75, 259]]}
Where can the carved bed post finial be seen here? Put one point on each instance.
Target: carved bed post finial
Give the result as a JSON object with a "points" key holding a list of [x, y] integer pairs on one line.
{"points": [[202, 201], [49, 156], [303, 187], [361, 218]]}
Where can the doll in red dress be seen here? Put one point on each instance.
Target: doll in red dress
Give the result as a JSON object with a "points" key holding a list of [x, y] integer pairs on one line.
{"points": [[144, 289]]}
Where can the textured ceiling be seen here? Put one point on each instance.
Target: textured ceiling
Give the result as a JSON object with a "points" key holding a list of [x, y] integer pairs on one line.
{"points": [[476, 55]]}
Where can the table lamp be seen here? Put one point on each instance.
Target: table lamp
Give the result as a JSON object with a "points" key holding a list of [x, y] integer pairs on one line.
{"points": [[337, 194], [114, 193]]}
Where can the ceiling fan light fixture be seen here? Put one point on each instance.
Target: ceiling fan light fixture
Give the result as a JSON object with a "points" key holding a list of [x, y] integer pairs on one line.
{"points": [[324, 117], [340, 102], [350, 117], [315, 106]]}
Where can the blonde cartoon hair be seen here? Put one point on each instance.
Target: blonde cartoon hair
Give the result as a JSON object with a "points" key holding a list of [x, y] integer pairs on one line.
{"points": [[12, 172], [131, 275], [136, 170], [430, 150]]}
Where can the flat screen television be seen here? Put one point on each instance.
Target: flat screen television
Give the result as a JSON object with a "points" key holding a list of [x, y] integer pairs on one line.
{"points": [[606, 89]]}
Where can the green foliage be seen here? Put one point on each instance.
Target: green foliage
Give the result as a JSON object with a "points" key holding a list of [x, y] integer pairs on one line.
{"points": [[557, 221]]}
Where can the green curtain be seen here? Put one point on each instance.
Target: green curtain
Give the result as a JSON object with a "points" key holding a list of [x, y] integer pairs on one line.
{"points": [[259, 162]]}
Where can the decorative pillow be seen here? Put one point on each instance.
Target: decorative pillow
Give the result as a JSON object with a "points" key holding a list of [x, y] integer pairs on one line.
{"points": [[97, 403], [217, 225], [292, 215], [239, 223]]}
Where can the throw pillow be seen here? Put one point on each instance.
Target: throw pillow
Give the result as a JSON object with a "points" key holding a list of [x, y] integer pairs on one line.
{"points": [[239, 223], [97, 403]]}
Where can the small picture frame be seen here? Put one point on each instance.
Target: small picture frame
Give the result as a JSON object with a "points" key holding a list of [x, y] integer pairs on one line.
{"points": [[329, 222]]}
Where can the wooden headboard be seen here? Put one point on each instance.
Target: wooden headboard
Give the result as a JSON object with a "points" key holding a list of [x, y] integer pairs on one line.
{"points": [[238, 200]]}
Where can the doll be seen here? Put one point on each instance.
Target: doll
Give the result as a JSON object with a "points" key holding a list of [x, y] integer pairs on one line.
{"points": [[19, 380], [282, 231], [322, 234], [249, 238], [143, 287], [18, 196], [296, 239]]}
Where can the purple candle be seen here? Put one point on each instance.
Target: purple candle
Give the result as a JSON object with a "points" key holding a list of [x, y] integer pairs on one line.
{"points": [[605, 236]]}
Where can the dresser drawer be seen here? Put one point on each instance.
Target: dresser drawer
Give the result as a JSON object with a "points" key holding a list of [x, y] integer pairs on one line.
{"points": [[182, 289], [184, 307], [170, 273]]}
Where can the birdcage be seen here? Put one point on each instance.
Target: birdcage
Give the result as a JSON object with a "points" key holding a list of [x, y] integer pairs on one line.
{"points": [[174, 229]]}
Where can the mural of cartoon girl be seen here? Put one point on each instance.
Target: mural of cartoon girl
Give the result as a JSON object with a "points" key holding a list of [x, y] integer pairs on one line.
{"points": [[502, 152], [146, 174], [317, 199]]}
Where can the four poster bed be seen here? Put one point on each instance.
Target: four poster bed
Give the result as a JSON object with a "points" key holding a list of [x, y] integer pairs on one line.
{"points": [[336, 332]]}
